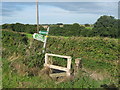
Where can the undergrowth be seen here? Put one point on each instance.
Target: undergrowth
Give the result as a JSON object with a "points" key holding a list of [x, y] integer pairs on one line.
{"points": [[97, 53]]}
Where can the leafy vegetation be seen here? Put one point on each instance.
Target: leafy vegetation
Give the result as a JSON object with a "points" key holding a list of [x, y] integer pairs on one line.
{"points": [[18, 27], [105, 26], [13, 80], [98, 54]]}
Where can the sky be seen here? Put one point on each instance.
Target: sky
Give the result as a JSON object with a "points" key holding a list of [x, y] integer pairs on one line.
{"points": [[57, 12]]}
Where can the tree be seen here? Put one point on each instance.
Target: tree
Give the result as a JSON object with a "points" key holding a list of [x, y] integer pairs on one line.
{"points": [[87, 25], [106, 26]]}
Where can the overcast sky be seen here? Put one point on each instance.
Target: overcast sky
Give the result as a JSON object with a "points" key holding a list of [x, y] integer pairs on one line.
{"points": [[60, 0], [57, 12]]}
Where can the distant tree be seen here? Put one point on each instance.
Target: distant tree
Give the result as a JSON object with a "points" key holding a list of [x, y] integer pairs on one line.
{"points": [[19, 27], [7, 26], [106, 26], [87, 25], [59, 23], [76, 29]]}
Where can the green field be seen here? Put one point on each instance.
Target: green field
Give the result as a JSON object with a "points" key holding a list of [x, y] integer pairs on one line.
{"points": [[90, 28], [21, 55]]}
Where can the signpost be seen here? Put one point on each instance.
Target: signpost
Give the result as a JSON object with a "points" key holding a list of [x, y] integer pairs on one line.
{"points": [[45, 40], [40, 35], [43, 32], [37, 16]]}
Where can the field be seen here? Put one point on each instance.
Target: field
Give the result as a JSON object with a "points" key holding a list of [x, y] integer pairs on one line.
{"points": [[90, 28], [23, 59]]}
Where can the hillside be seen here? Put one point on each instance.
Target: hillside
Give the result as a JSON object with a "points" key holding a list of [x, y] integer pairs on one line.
{"points": [[22, 58]]}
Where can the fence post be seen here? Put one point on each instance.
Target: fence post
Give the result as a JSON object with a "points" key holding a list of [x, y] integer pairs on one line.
{"points": [[68, 66], [46, 59], [78, 65]]}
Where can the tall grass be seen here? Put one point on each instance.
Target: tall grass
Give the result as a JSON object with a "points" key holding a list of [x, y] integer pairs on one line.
{"points": [[97, 53]]}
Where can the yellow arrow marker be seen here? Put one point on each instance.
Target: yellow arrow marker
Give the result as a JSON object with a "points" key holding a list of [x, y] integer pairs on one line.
{"points": [[46, 36]]}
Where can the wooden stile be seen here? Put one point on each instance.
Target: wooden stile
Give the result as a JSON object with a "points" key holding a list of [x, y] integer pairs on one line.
{"points": [[66, 69]]}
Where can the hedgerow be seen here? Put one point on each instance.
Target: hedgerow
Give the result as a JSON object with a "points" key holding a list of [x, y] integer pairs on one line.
{"points": [[97, 53]]}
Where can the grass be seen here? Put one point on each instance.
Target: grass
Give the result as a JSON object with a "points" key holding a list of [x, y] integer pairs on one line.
{"points": [[95, 64], [0, 72], [28, 35], [97, 53], [13, 80], [90, 28]]}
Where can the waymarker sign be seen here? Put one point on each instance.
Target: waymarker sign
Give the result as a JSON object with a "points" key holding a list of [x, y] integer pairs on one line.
{"points": [[39, 37], [42, 36], [43, 32]]}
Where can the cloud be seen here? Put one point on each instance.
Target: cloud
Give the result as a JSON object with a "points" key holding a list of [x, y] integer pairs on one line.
{"points": [[26, 15], [119, 10], [55, 15], [9, 8], [87, 7], [61, 0], [53, 12]]}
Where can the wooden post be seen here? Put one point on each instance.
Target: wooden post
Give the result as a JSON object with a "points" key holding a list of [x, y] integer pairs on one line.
{"points": [[68, 66], [77, 65], [44, 46], [46, 59], [37, 12]]}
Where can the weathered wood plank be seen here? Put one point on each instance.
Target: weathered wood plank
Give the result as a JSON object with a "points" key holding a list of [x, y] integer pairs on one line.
{"points": [[46, 58], [69, 63], [58, 55], [57, 67], [68, 66]]}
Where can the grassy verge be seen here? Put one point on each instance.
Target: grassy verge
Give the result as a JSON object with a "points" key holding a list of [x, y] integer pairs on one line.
{"points": [[0, 73], [13, 80], [98, 54]]}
